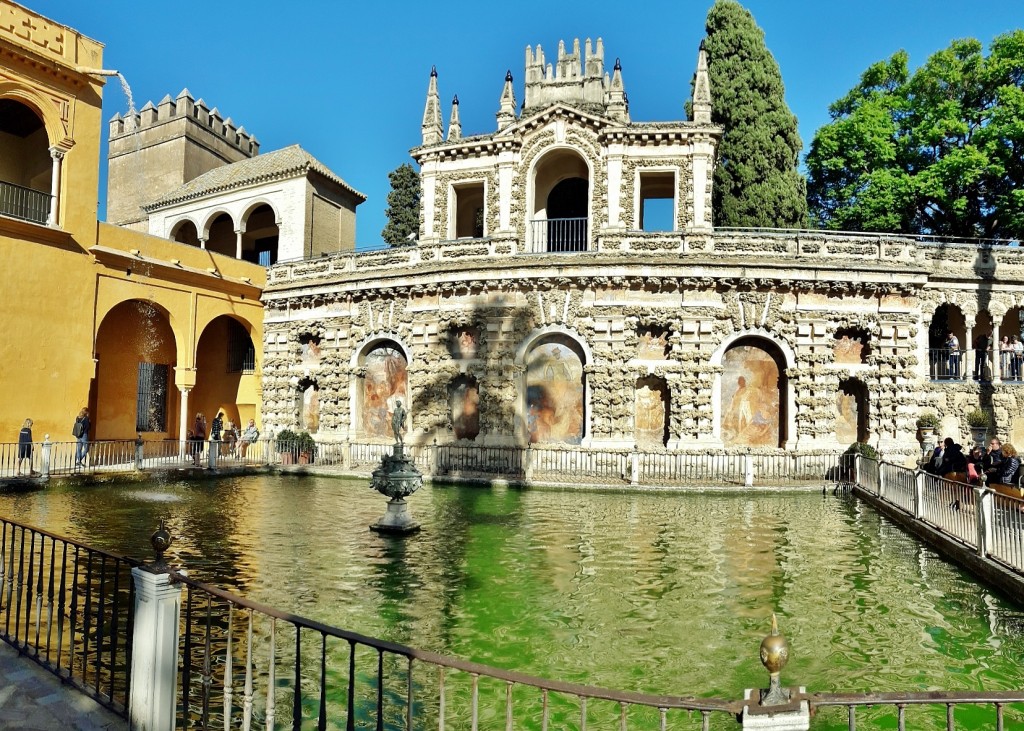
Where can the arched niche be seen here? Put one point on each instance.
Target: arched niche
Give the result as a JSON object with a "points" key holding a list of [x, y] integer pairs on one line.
{"points": [[652, 342], [185, 232], [555, 390], [464, 407], [944, 363], [651, 412], [308, 405], [754, 394], [261, 235], [852, 412], [851, 346], [463, 342], [309, 350], [26, 167], [384, 383], [560, 201]]}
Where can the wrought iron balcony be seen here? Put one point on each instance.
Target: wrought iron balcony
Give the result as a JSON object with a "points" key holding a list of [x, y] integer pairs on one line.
{"points": [[17, 201], [560, 234]]}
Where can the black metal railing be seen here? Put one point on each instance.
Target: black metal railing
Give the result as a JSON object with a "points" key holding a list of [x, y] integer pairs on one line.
{"points": [[560, 234], [17, 201], [68, 607]]}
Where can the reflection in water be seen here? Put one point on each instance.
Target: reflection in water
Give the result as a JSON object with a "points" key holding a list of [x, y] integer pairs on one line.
{"points": [[664, 593]]}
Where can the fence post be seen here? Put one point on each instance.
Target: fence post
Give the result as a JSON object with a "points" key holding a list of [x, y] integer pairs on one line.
{"points": [[881, 478], [634, 466], [528, 464], [346, 456], [984, 519], [47, 452], [433, 457], [213, 452], [856, 469], [919, 494], [138, 453], [152, 700], [748, 470]]}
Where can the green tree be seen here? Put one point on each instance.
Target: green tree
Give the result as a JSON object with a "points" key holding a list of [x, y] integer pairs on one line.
{"points": [[938, 151], [757, 182], [403, 210]]}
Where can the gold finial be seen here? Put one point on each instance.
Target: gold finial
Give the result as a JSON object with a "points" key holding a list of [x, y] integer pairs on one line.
{"points": [[774, 656]]}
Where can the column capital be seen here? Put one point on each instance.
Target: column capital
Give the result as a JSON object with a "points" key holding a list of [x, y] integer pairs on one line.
{"points": [[184, 378], [57, 153]]}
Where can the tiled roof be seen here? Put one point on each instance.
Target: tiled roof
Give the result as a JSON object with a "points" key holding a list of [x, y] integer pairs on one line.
{"points": [[288, 162]]}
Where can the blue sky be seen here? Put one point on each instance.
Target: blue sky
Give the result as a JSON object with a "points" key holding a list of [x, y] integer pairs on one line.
{"points": [[347, 80]]}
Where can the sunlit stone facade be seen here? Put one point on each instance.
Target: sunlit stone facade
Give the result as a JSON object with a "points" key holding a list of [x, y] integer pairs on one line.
{"points": [[541, 305]]}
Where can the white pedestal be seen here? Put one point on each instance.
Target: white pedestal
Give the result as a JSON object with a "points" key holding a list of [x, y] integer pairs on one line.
{"points": [[397, 519], [153, 698]]}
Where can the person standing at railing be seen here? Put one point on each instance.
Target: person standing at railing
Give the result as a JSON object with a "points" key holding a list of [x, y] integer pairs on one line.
{"points": [[981, 346], [197, 437], [1016, 358], [249, 436], [25, 447], [1005, 352], [952, 357], [80, 431], [229, 438]]}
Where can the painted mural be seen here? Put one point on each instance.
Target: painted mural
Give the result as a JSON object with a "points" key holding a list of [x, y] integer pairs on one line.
{"points": [[462, 343], [386, 382], [652, 345], [310, 351], [750, 398], [311, 408], [847, 417], [464, 402], [849, 349], [651, 410], [554, 394]]}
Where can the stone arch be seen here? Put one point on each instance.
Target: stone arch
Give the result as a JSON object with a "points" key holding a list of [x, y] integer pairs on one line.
{"points": [[652, 412], [382, 363], [56, 132], [749, 410], [185, 231], [554, 392], [27, 172], [550, 170], [218, 231], [852, 412], [308, 405], [464, 406], [260, 224], [943, 363], [226, 366], [136, 353]]}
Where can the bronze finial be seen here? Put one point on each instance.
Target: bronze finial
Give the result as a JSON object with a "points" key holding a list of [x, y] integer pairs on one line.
{"points": [[161, 540], [774, 656]]}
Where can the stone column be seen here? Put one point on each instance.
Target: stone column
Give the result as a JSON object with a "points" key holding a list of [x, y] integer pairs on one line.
{"points": [[615, 156], [183, 416], [238, 244], [202, 242], [968, 349], [154, 671], [58, 157], [997, 358]]}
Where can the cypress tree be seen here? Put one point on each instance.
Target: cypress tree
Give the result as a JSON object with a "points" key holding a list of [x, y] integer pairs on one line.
{"points": [[403, 210], [757, 183]]}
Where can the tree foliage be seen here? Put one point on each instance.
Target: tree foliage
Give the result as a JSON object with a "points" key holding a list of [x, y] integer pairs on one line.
{"points": [[757, 182], [938, 151], [403, 210]]}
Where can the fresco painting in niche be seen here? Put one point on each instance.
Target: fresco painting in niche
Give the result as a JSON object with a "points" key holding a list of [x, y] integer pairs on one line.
{"points": [[310, 351], [750, 398], [311, 409], [463, 342], [849, 349], [651, 401], [554, 394], [385, 383], [847, 417], [652, 344], [464, 402]]}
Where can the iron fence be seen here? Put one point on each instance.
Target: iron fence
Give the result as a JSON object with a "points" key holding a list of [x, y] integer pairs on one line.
{"points": [[945, 364], [17, 201], [69, 607], [560, 234]]}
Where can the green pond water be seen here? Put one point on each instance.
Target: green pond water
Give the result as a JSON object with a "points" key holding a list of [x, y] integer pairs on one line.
{"points": [[657, 592]]}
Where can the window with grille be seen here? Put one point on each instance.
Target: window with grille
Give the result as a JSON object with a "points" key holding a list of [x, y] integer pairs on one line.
{"points": [[151, 400], [241, 351]]}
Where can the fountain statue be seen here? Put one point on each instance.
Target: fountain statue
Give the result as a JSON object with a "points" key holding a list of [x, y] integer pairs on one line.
{"points": [[397, 478]]}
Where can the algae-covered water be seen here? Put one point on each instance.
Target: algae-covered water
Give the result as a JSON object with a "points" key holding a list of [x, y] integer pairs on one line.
{"points": [[657, 592]]}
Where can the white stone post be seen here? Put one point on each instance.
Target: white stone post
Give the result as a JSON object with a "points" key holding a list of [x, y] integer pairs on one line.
{"points": [[183, 423], [528, 463], [634, 466], [202, 241], [238, 244], [58, 157], [46, 456], [748, 470], [856, 469], [212, 453], [881, 479], [997, 356], [139, 452], [919, 495], [152, 700], [985, 515]]}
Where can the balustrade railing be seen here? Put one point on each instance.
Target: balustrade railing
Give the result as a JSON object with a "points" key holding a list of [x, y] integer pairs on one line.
{"points": [[68, 607], [560, 234], [17, 201], [946, 365]]}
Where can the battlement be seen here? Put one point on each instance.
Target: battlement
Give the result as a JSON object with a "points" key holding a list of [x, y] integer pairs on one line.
{"points": [[185, 107], [574, 79]]}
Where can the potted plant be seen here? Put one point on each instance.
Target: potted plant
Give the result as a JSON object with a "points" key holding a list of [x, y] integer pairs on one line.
{"points": [[305, 447], [286, 439], [927, 423], [978, 422]]}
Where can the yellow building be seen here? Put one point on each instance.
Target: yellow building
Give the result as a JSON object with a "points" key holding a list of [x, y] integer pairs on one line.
{"points": [[143, 330]]}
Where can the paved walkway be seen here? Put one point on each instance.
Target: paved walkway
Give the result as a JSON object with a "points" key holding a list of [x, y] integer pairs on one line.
{"points": [[32, 699]]}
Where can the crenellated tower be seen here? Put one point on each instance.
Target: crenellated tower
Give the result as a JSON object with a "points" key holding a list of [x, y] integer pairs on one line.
{"points": [[162, 147], [579, 81]]}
